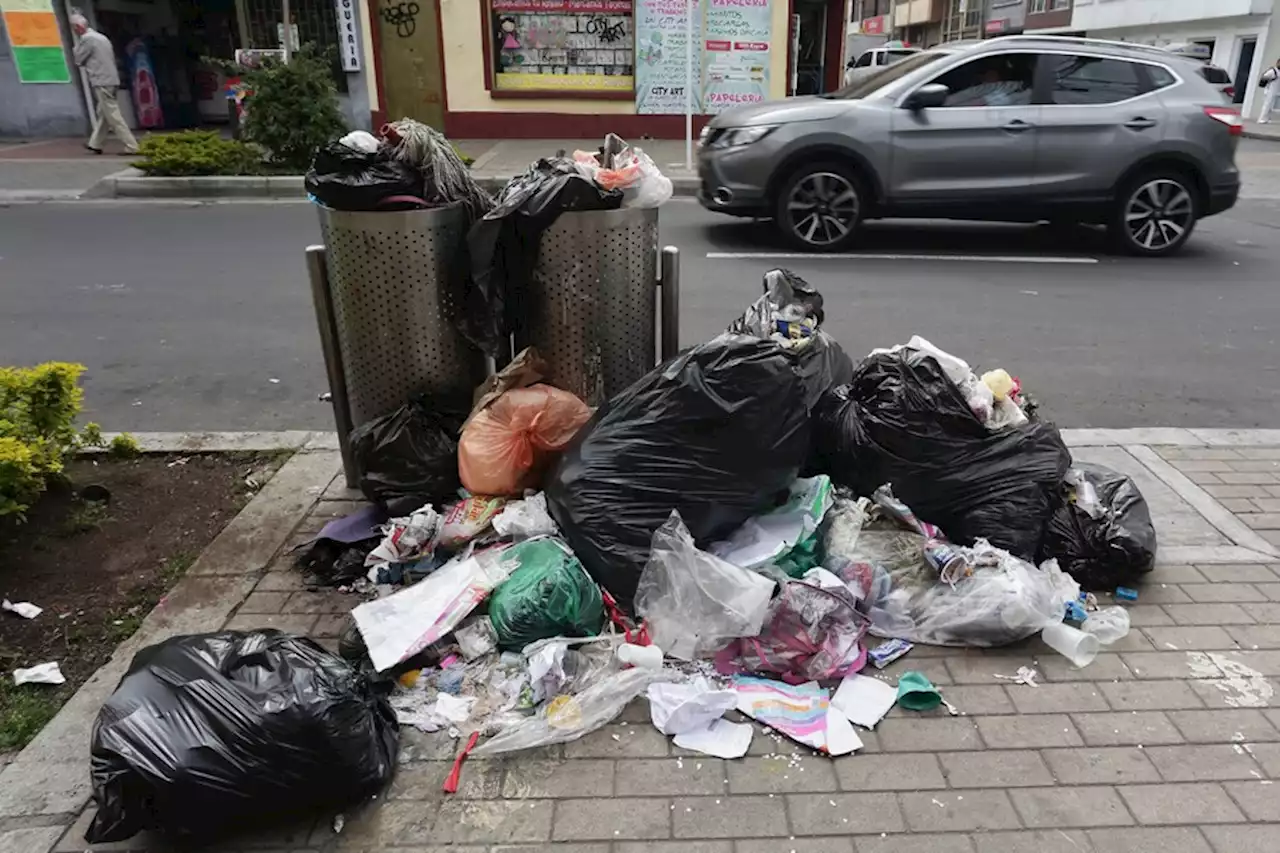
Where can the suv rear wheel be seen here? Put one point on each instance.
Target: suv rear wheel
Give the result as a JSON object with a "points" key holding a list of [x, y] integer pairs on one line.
{"points": [[1155, 213], [819, 207]]}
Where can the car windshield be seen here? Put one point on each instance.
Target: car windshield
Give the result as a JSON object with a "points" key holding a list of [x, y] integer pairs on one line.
{"points": [[883, 76]]}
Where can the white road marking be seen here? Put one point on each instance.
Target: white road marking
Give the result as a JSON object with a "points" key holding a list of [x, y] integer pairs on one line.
{"points": [[887, 256]]}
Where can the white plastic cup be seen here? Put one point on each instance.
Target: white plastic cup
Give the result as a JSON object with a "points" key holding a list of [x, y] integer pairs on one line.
{"points": [[641, 657], [1073, 644]]}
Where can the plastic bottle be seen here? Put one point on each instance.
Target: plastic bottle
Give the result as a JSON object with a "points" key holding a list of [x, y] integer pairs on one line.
{"points": [[1109, 625], [1073, 644], [643, 657]]}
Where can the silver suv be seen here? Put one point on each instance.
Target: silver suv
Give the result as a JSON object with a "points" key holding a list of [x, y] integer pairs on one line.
{"points": [[1020, 128]]}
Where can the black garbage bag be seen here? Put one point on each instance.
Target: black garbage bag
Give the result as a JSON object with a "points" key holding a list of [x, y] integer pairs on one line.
{"points": [[1104, 540], [790, 312], [346, 179], [210, 732], [410, 457], [902, 421], [716, 433], [503, 246]]}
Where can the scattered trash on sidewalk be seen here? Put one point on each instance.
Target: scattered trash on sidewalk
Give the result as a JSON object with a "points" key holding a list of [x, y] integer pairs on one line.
{"points": [[693, 706], [208, 732], [43, 673], [1025, 675], [917, 693], [801, 712], [549, 594], [1102, 533], [722, 739], [864, 700], [1072, 643], [25, 609], [1110, 625]]}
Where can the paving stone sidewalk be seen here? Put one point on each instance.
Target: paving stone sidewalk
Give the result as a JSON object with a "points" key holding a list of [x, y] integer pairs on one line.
{"points": [[1170, 740]]}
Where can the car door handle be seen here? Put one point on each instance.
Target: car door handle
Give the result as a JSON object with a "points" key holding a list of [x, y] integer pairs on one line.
{"points": [[1140, 123], [1017, 126]]}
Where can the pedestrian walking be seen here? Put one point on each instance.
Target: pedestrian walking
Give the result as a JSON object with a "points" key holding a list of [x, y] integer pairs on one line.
{"points": [[95, 55], [1271, 88]]}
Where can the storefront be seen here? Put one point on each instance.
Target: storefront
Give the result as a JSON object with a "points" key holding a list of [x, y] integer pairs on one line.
{"points": [[581, 68], [162, 48]]}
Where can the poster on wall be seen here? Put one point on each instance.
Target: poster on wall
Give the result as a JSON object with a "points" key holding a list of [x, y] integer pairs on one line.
{"points": [[661, 72], [570, 46], [38, 53], [736, 42]]}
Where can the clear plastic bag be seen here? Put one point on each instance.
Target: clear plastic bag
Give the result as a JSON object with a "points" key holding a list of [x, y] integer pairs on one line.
{"points": [[507, 447], [1109, 625], [567, 717], [694, 602]]}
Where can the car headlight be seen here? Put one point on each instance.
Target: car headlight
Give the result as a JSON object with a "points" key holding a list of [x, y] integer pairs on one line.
{"points": [[735, 136]]}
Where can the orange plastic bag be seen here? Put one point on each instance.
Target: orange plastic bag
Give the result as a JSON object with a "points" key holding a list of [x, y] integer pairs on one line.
{"points": [[507, 447]]}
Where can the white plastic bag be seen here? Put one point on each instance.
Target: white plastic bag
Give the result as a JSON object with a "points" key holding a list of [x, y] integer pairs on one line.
{"points": [[695, 602], [526, 518], [634, 172], [399, 626], [361, 140]]}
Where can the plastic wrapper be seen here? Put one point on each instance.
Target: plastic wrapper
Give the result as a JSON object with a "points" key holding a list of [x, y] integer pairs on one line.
{"points": [[468, 519], [641, 181], [813, 632], [345, 178], [406, 539], [503, 245], [409, 458], [714, 433], [211, 732], [567, 717], [1109, 625], [549, 594], [526, 518], [902, 421], [506, 447], [399, 626], [694, 602], [1101, 533]]}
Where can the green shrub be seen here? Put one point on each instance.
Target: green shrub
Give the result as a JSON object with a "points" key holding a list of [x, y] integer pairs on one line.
{"points": [[292, 109], [38, 408], [124, 446], [197, 152]]}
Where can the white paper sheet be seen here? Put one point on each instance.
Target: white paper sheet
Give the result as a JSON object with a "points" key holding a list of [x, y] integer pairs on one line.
{"points": [[722, 739], [693, 706], [864, 701], [45, 673], [25, 609]]}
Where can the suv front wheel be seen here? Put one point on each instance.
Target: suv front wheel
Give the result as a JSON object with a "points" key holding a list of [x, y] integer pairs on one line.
{"points": [[819, 207], [1155, 213]]}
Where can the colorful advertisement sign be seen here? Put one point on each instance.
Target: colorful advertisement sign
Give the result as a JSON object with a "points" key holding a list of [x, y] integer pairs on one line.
{"points": [[736, 38], [662, 73], [38, 53]]}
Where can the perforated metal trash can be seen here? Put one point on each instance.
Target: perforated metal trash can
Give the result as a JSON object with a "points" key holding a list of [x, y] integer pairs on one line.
{"points": [[384, 286], [590, 309]]}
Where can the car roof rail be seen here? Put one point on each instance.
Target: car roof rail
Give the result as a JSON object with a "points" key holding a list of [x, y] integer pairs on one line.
{"points": [[1086, 42]]}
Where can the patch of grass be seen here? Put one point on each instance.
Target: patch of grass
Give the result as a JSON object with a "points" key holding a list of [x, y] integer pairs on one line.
{"points": [[173, 568], [84, 516], [24, 711]]}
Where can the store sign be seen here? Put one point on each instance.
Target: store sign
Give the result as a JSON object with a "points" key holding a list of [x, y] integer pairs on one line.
{"points": [[38, 54], [348, 43], [997, 26], [572, 7], [738, 73], [662, 73], [874, 26]]}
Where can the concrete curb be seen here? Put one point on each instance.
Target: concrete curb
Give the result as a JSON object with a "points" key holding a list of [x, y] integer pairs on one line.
{"points": [[53, 790], [132, 184]]}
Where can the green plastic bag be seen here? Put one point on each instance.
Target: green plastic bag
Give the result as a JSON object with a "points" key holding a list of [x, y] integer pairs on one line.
{"points": [[550, 594]]}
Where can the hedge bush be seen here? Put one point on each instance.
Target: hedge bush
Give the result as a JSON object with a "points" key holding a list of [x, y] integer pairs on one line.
{"points": [[292, 108], [197, 152]]}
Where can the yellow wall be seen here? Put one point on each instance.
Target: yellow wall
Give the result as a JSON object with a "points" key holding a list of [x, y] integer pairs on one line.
{"points": [[462, 26]]}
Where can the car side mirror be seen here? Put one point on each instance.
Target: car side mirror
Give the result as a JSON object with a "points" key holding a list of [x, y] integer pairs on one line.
{"points": [[928, 95]]}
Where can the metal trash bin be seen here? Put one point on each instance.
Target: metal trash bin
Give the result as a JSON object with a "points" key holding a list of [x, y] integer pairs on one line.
{"points": [[590, 308], [384, 286]]}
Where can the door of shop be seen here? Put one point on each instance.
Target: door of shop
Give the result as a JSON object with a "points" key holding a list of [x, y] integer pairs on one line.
{"points": [[412, 67], [1243, 67]]}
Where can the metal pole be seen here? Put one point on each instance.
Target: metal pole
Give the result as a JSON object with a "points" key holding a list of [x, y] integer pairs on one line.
{"points": [[318, 270], [670, 307], [688, 85], [288, 31]]}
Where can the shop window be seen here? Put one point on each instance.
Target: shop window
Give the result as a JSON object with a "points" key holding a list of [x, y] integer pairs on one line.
{"points": [[573, 48]]}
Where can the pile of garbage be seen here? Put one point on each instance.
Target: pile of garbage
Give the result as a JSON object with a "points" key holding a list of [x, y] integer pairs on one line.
{"points": [[746, 528]]}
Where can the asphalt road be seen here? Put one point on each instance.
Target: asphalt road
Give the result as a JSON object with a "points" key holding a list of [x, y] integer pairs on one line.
{"points": [[198, 317]]}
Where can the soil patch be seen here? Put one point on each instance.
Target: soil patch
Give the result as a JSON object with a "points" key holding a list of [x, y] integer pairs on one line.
{"points": [[98, 569]]}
